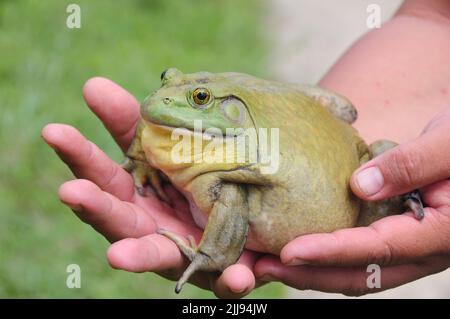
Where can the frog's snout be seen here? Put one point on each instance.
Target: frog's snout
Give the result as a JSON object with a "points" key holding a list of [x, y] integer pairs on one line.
{"points": [[155, 107], [149, 104]]}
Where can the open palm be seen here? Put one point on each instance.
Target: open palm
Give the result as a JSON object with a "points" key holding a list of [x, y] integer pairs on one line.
{"points": [[104, 197]]}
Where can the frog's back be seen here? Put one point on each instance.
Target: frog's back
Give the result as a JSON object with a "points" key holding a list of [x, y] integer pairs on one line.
{"points": [[310, 192]]}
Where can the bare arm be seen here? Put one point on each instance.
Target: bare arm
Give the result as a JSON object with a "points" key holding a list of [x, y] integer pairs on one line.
{"points": [[398, 76]]}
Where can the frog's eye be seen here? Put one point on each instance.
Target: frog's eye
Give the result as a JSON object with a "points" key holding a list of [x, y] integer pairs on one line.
{"points": [[201, 96], [163, 74]]}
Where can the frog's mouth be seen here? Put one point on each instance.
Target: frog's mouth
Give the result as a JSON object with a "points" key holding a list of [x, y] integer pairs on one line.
{"points": [[196, 132]]}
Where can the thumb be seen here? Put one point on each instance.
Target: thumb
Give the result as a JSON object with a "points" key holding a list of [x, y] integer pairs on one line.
{"points": [[406, 167]]}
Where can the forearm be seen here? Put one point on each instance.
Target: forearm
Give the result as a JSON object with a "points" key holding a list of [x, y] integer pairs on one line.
{"points": [[398, 76]]}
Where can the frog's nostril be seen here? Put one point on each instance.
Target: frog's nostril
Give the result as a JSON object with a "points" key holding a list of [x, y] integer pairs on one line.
{"points": [[167, 100]]}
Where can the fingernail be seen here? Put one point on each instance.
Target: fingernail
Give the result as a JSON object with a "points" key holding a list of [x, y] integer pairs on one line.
{"points": [[74, 207], [296, 262], [239, 291], [51, 145], [370, 181]]}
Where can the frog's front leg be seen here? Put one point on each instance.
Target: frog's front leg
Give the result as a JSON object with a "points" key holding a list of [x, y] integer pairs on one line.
{"points": [[143, 174], [224, 236]]}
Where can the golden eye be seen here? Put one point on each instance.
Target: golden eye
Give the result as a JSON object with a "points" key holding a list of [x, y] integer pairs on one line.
{"points": [[201, 96]]}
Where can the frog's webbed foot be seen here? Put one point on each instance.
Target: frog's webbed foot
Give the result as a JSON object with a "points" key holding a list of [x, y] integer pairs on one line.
{"points": [[199, 260], [223, 239], [413, 201], [144, 175], [188, 250]]}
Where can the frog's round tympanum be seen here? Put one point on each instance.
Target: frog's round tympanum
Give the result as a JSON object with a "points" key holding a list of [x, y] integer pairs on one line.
{"points": [[242, 201]]}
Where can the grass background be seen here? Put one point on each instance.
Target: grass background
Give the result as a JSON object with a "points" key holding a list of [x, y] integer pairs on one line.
{"points": [[43, 66]]}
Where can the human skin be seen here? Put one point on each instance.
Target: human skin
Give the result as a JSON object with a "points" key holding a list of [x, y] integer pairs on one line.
{"points": [[104, 196], [399, 79], [393, 103]]}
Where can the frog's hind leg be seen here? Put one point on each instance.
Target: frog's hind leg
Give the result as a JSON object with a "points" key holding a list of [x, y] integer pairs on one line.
{"points": [[372, 211], [188, 250], [224, 236], [197, 258], [413, 201]]}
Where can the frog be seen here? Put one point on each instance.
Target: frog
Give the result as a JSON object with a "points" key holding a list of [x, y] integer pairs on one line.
{"points": [[240, 203]]}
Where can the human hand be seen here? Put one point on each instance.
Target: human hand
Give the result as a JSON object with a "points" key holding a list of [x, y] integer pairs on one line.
{"points": [[104, 197], [405, 248]]}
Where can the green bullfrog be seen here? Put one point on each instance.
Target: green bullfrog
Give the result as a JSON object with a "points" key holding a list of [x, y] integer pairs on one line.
{"points": [[260, 162]]}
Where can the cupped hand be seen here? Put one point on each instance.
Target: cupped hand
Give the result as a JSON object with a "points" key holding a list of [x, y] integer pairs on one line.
{"points": [[103, 195], [405, 248]]}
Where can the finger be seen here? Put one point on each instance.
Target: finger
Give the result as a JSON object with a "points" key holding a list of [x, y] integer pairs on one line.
{"points": [[437, 195], [351, 281], [391, 240], [442, 118], [115, 107], [406, 167], [148, 253], [152, 253], [237, 280], [110, 216], [87, 161], [179, 204], [157, 253]]}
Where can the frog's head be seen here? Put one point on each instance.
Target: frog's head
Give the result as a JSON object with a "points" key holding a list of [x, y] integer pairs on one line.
{"points": [[184, 98]]}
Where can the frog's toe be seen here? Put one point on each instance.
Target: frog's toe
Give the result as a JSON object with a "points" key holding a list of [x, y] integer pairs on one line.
{"points": [[188, 250], [145, 177], [141, 190], [192, 242], [157, 186], [137, 172], [200, 261], [413, 201], [128, 164]]}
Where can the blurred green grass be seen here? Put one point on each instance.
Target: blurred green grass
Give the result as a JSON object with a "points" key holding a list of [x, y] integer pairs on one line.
{"points": [[43, 66]]}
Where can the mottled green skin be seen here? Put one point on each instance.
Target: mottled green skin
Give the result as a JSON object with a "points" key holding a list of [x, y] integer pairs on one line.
{"points": [[309, 193]]}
